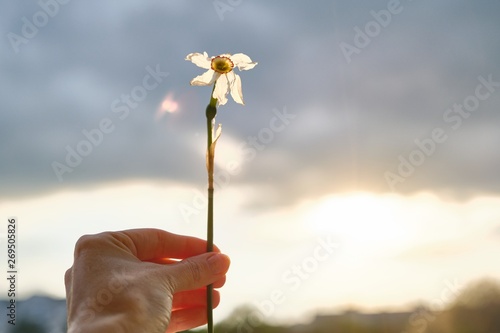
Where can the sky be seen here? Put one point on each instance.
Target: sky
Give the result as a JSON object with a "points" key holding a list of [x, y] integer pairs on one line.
{"points": [[361, 172]]}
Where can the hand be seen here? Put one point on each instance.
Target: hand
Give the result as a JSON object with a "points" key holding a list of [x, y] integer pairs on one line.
{"points": [[130, 281]]}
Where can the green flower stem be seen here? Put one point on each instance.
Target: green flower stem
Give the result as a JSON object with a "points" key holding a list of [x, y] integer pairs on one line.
{"points": [[211, 111]]}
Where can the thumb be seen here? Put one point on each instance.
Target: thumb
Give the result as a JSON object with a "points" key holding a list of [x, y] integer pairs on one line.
{"points": [[198, 271]]}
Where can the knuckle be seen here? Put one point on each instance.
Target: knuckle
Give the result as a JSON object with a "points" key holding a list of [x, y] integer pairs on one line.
{"points": [[85, 242], [68, 276], [194, 269], [88, 243]]}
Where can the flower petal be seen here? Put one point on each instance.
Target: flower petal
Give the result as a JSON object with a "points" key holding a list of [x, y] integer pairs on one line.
{"points": [[200, 60], [222, 87], [205, 79], [236, 91], [242, 61]]}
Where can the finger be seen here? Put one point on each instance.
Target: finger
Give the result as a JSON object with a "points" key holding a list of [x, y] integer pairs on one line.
{"points": [[219, 283], [193, 299], [198, 271], [163, 261], [186, 319], [148, 244]]}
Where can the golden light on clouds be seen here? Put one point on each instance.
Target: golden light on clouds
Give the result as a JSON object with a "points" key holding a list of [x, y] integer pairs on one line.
{"points": [[410, 243], [420, 227], [369, 223]]}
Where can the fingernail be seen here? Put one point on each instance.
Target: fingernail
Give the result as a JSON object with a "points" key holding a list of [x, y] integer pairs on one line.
{"points": [[219, 263]]}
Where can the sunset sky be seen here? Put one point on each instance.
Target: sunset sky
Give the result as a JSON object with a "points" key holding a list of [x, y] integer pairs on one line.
{"points": [[362, 171]]}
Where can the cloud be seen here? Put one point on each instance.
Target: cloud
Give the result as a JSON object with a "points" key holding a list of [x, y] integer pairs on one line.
{"points": [[354, 121]]}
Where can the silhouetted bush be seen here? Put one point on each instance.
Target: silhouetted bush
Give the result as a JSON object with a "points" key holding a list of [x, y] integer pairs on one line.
{"points": [[27, 327], [475, 310]]}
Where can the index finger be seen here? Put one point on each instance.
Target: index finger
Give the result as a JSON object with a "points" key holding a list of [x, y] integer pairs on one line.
{"points": [[150, 244]]}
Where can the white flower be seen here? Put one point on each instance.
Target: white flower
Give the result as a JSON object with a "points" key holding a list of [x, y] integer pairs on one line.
{"points": [[220, 71]]}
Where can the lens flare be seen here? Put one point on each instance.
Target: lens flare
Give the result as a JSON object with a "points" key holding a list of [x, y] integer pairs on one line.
{"points": [[168, 105]]}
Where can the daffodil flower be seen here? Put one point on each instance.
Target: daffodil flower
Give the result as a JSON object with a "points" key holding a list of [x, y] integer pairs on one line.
{"points": [[220, 72]]}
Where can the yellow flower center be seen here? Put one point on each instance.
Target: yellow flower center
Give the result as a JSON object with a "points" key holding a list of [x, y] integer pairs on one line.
{"points": [[222, 64]]}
